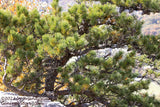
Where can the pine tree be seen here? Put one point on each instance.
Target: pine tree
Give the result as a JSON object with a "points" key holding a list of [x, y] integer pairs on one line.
{"points": [[35, 51]]}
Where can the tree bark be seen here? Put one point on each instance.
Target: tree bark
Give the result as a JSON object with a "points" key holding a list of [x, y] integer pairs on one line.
{"points": [[52, 73], [50, 80]]}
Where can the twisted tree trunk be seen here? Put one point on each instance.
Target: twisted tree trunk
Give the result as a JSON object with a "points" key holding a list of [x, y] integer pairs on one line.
{"points": [[51, 68]]}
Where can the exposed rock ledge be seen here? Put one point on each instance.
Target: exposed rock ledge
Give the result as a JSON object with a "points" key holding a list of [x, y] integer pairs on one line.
{"points": [[10, 99]]}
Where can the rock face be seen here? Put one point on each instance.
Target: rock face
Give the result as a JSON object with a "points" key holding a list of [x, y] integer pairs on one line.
{"points": [[54, 104], [10, 99]]}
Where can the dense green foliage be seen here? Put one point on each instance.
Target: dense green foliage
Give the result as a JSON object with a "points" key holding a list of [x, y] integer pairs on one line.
{"points": [[35, 50]]}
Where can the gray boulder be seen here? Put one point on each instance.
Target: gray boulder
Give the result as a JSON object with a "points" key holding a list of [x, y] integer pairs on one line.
{"points": [[54, 104]]}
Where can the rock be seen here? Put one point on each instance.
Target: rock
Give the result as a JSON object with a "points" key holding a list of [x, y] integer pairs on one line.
{"points": [[10, 99], [54, 104], [8, 93]]}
